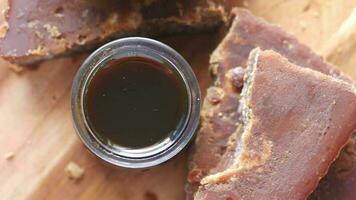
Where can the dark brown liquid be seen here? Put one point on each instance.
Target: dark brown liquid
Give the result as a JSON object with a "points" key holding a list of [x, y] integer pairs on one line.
{"points": [[135, 102]]}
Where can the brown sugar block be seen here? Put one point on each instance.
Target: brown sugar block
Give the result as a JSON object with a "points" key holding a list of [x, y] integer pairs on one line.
{"points": [[294, 124], [36, 30], [219, 118]]}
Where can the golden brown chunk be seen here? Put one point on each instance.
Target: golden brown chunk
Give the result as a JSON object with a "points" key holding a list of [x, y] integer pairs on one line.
{"points": [[221, 119], [295, 123], [39, 29], [9, 155]]}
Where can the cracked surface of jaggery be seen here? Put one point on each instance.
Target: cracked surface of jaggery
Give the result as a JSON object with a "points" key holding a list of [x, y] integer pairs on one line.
{"points": [[294, 127], [80, 25], [245, 33]]}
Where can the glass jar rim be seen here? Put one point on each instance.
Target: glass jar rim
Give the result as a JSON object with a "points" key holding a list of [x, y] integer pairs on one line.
{"points": [[135, 47]]}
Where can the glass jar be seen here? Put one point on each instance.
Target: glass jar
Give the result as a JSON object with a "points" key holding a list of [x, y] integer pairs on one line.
{"points": [[135, 157]]}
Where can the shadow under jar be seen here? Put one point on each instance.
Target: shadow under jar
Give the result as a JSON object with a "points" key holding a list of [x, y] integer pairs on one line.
{"points": [[135, 102]]}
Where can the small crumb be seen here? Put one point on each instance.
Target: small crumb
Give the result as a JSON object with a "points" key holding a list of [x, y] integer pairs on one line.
{"points": [[236, 76], [214, 95], [59, 15], [74, 171], [214, 67], [32, 24], [39, 51], [53, 31], [9, 155], [81, 39], [307, 7]]}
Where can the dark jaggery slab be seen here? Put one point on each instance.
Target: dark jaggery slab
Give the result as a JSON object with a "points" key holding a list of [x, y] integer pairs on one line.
{"points": [[248, 31], [340, 182], [42, 29], [219, 116], [295, 123]]}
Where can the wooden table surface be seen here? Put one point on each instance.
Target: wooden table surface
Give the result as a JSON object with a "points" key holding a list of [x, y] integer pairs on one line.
{"points": [[36, 126]]}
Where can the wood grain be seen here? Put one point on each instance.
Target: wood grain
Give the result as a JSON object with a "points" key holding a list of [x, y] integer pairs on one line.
{"points": [[312, 21], [35, 120], [340, 49]]}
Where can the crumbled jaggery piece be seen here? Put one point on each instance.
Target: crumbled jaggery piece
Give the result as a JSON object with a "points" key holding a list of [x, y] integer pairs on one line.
{"points": [[246, 32], [74, 171], [61, 27], [295, 123], [9, 155]]}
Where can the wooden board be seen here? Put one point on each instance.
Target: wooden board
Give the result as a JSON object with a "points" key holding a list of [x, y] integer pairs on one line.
{"points": [[35, 120]]}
